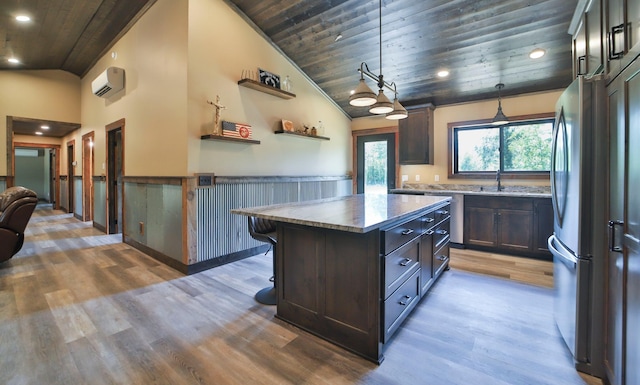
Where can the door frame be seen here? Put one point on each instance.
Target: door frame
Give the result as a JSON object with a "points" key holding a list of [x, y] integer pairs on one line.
{"points": [[354, 151], [53, 147]]}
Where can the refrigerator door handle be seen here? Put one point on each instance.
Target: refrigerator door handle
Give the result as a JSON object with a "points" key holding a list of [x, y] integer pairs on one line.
{"points": [[562, 253], [612, 236]]}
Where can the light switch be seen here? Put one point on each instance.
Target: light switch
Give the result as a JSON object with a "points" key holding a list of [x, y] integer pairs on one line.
{"points": [[405, 178], [436, 178], [417, 178]]}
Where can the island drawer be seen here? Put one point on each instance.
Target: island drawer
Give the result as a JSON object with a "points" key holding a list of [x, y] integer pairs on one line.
{"points": [[440, 259], [442, 213], [399, 265], [441, 233], [398, 306], [396, 236]]}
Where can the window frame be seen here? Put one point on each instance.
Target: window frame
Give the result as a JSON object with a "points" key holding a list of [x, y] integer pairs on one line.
{"points": [[451, 126]]}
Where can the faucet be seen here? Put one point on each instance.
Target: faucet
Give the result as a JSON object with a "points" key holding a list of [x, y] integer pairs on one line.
{"points": [[498, 179]]}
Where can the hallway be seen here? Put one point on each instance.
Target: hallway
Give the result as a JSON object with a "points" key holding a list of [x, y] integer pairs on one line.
{"points": [[80, 307]]}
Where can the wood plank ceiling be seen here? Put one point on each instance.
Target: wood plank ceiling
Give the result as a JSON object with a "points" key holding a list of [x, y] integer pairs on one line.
{"points": [[481, 42]]}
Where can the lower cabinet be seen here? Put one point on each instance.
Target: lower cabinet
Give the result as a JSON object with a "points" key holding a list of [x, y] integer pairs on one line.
{"points": [[356, 289], [518, 225]]}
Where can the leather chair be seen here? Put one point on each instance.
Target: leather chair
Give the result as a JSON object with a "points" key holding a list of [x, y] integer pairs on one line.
{"points": [[264, 230], [16, 206]]}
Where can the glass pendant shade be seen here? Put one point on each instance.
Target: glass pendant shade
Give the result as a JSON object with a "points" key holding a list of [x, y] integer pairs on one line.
{"points": [[399, 112], [363, 95], [383, 104]]}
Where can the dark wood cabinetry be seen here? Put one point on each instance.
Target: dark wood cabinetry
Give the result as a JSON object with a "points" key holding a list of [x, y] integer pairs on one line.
{"points": [[621, 35], [622, 315], [416, 136], [510, 224], [356, 289], [588, 42]]}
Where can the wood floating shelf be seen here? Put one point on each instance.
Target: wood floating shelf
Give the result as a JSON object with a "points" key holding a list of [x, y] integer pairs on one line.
{"points": [[303, 135], [254, 85], [229, 139]]}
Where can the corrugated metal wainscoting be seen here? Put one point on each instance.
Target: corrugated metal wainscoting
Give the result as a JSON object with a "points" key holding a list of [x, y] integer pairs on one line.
{"points": [[221, 233]]}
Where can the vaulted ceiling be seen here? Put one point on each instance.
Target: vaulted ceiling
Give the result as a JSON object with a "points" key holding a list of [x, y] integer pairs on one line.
{"points": [[480, 42]]}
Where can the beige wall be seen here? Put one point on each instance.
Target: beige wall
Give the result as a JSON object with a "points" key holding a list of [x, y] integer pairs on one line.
{"points": [[153, 54], [512, 106], [221, 45], [48, 94]]}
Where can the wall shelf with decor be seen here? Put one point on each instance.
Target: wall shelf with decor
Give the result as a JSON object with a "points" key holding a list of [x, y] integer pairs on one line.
{"points": [[301, 134], [229, 139], [255, 85]]}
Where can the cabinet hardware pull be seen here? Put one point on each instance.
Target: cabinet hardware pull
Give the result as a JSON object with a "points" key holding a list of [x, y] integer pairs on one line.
{"points": [[613, 52], [407, 232], [442, 257], [405, 300], [443, 212], [582, 61], [441, 232], [430, 232], [405, 262], [429, 220], [612, 236]]}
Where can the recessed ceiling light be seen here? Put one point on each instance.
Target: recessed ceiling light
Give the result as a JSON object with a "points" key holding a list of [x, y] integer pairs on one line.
{"points": [[13, 60], [44, 127], [537, 53], [443, 73], [38, 133], [23, 18]]}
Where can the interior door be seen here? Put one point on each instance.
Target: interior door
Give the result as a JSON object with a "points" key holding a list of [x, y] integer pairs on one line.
{"points": [[376, 163], [87, 177], [70, 173], [114, 181], [52, 178]]}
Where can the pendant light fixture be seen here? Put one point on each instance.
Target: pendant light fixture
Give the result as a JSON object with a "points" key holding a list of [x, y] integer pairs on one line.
{"points": [[500, 118], [364, 96]]}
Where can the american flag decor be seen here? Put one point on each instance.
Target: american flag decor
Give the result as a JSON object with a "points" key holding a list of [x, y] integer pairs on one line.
{"points": [[236, 130]]}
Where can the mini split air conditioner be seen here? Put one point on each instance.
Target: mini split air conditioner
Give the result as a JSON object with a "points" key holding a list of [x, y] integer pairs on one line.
{"points": [[108, 83]]}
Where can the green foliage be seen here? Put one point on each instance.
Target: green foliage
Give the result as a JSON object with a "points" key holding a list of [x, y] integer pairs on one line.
{"points": [[527, 147], [375, 162]]}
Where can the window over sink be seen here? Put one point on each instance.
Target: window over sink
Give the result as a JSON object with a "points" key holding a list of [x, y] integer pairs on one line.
{"points": [[518, 149]]}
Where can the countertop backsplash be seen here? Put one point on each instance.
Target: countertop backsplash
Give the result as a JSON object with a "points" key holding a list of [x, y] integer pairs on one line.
{"points": [[477, 188]]}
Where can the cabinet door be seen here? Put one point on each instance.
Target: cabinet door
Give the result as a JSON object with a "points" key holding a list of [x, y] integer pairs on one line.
{"points": [[515, 229], [479, 226], [543, 224], [614, 32], [633, 26], [416, 137], [632, 226], [593, 21], [580, 50], [426, 261]]}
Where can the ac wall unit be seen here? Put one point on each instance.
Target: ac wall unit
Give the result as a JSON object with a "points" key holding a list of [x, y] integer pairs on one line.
{"points": [[108, 82]]}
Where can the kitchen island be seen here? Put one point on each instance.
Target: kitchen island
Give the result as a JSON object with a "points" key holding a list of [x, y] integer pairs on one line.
{"points": [[351, 269]]}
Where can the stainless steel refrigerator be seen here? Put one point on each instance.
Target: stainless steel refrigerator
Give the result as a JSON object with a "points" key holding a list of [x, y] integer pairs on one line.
{"points": [[578, 244]]}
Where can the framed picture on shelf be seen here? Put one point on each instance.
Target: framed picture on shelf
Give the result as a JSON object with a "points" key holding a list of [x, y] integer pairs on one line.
{"points": [[269, 78], [287, 125]]}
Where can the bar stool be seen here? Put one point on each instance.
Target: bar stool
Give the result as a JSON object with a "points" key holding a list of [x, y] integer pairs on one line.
{"points": [[264, 230]]}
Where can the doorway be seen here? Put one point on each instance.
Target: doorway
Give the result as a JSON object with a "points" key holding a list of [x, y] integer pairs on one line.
{"points": [[376, 163], [70, 175], [35, 166], [87, 176], [115, 172]]}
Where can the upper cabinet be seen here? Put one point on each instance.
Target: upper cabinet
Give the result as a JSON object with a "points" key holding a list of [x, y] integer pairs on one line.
{"points": [[621, 35], [416, 136], [588, 44]]}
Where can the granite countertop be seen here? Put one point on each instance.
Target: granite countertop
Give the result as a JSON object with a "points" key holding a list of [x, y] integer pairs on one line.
{"points": [[490, 190], [354, 213]]}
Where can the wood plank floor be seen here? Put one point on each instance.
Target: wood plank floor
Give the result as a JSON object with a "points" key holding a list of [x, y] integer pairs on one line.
{"points": [[79, 307]]}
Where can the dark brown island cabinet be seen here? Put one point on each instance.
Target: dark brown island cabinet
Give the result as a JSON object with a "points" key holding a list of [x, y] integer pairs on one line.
{"points": [[517, 225], [355, 289]]}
